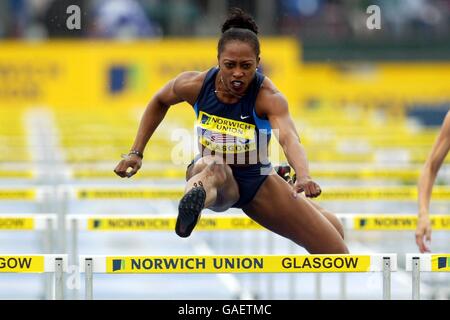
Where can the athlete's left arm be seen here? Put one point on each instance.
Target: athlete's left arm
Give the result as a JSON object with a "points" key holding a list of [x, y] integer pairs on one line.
{"points": [[273, 104]]}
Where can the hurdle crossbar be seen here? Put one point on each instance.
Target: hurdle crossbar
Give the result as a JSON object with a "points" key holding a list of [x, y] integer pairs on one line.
{"points": [[233, 222], [175, 192], [214, 264]]}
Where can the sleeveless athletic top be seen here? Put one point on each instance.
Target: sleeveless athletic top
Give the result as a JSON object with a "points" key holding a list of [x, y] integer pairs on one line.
{"points": [[233, 131]]}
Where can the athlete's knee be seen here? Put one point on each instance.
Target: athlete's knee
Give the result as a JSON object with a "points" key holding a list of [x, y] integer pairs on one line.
{"points": [[335, 221], [203, 163], [213, 167], [339, 247]]}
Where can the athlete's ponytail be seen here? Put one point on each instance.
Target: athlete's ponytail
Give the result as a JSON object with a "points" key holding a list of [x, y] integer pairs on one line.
{"points": [[239, 26]]}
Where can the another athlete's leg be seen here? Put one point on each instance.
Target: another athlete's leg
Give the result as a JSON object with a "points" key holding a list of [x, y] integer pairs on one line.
{"points": [[275, 208]]}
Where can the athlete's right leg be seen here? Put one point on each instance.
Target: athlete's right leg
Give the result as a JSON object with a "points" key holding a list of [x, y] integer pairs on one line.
{"points": [[210, 185]]}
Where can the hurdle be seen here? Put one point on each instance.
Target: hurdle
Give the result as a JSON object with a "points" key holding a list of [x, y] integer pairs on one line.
{"points": [[388, 222], [171, 172], [19, 193], [148, 223], [125, 264], [66, 193], [38, 195], [175, 192], [26, 174], [55, 264], [388, 193], [233, 222], [417, 263], [32, 222]]}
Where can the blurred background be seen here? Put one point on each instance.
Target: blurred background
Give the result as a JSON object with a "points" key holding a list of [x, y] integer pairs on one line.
{"points": [[367, 102]]}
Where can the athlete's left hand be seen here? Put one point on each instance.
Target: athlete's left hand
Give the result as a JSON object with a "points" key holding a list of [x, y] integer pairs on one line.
{"points": [[307, 185]]}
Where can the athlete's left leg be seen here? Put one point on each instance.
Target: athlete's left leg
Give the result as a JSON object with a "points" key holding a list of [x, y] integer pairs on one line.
{"points": [[284, 171], [210, 184]]}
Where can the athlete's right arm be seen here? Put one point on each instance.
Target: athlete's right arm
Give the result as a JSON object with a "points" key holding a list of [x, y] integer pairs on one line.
{"points": [[426, 181], [184, 87]]}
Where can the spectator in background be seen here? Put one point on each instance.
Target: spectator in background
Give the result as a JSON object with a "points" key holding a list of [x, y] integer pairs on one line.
{"points": [[3, 22], [426, 181], [121, 19], [17, 18]]}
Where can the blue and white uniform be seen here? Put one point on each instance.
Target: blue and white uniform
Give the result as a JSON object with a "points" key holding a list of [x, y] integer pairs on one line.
{"points": [[236, 133]]}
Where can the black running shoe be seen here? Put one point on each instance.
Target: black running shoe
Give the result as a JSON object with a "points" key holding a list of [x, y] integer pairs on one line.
{"points": [[284, 171], [189, 211]]}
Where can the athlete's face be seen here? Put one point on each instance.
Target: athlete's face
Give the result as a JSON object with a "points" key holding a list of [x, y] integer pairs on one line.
{"points": [[237, 62]]}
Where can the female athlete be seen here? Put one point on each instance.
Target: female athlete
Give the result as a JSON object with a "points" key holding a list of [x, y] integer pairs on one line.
{"points": [[237, 109]]}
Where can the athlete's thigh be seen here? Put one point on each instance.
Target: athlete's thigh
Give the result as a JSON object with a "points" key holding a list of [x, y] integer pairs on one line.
{"points": [[275, 207]]}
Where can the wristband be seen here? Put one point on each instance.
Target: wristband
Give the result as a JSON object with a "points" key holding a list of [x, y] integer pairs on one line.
{"points": [[138, 153]]}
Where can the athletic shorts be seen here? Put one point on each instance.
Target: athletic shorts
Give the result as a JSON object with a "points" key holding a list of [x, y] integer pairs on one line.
{"points": [[249, 179]]}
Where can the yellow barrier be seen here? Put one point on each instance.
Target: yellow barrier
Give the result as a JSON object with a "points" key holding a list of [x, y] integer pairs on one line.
{"points": [[230, 222], [18, 194], [382, 82], [8, 174], [381, 193], [16, 223], [397, 222], [146, 193], [117, 73], [22, 264], [180, 172], [236, 264], [400, 193], [440, 262], [156, 223]]}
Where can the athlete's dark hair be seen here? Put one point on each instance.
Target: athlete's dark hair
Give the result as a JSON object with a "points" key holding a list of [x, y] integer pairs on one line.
{"points": [[239, 26]]}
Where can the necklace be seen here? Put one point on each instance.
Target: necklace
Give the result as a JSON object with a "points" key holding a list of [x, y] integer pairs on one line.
{"points": [[227, 91]]}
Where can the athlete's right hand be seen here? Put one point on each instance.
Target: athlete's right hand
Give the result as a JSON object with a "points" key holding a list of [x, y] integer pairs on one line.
{"points": [[129, 161], [306, 184], [423, 233]]}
